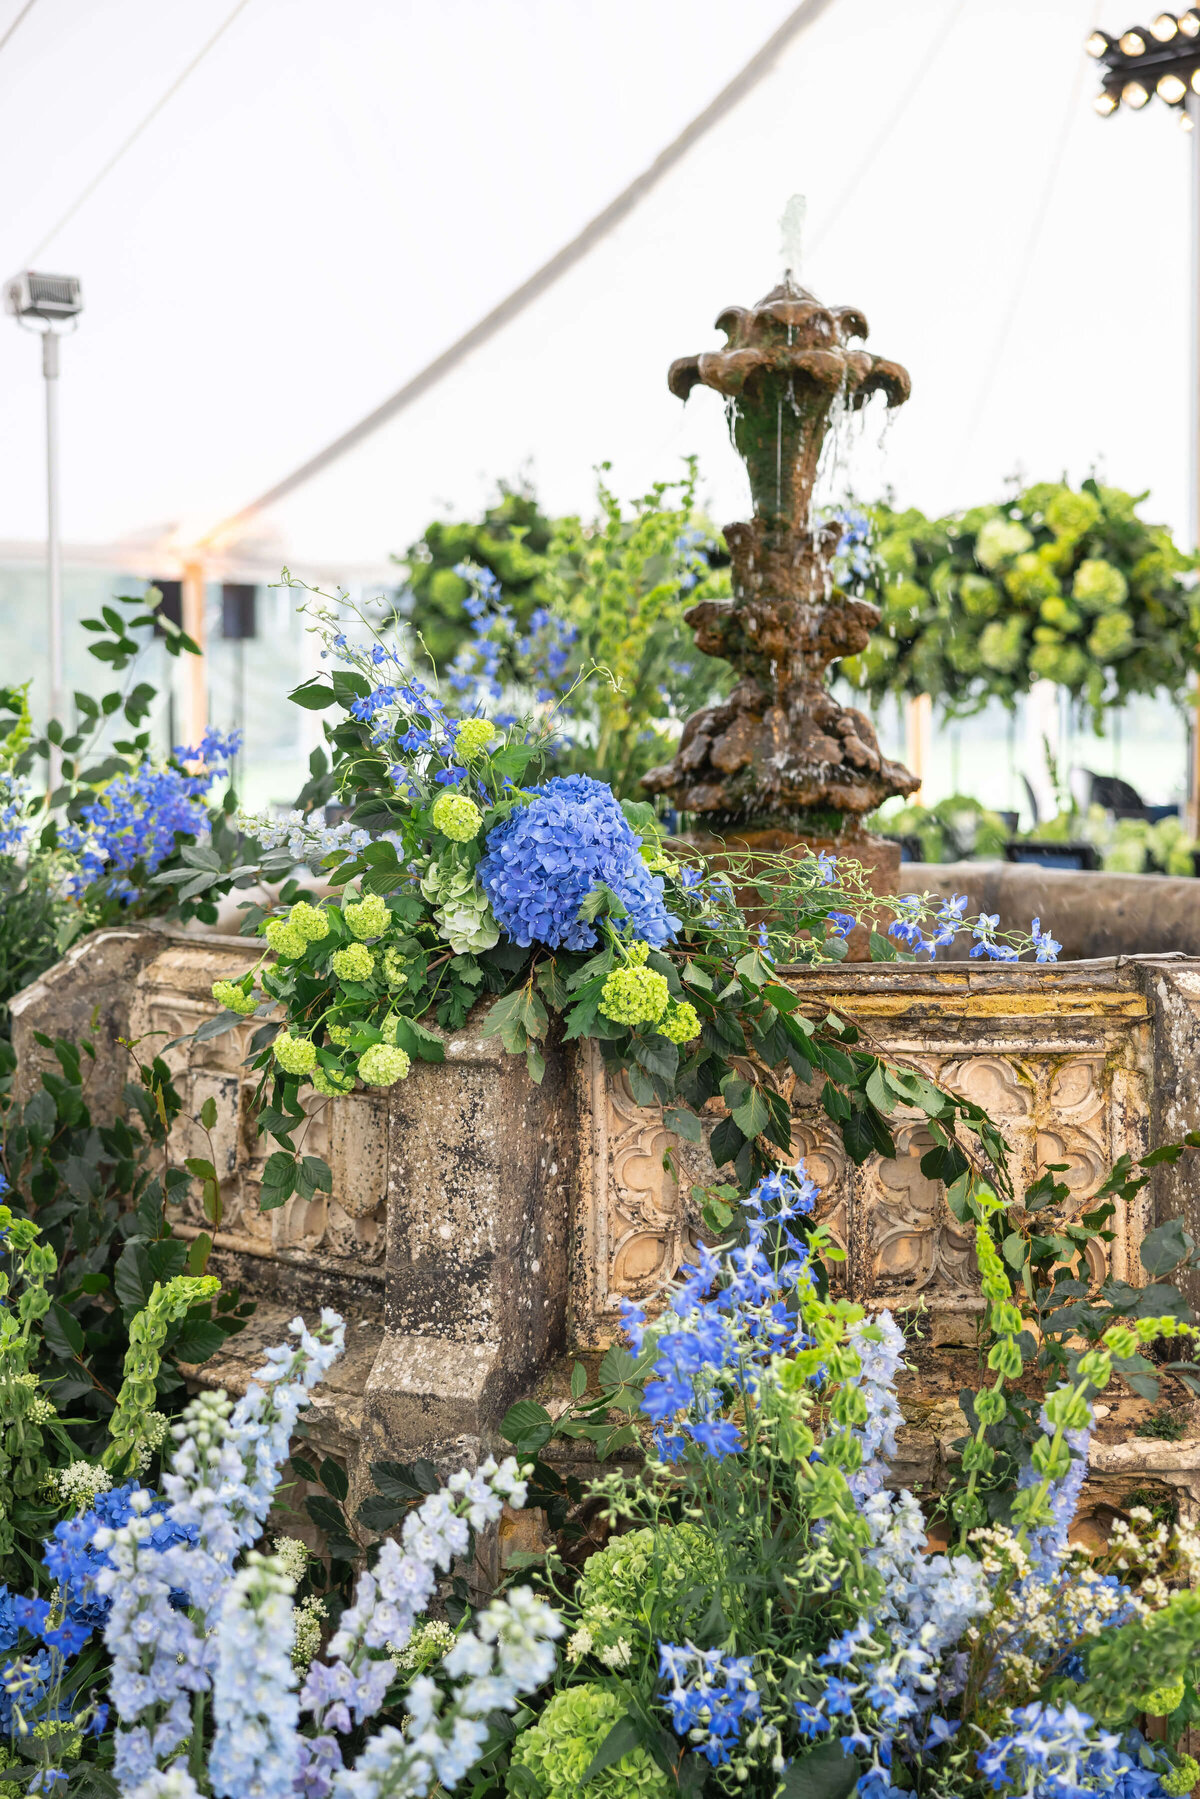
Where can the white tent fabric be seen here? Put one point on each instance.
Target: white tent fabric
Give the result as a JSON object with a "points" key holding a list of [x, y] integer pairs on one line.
{"points": [[335, 194]]}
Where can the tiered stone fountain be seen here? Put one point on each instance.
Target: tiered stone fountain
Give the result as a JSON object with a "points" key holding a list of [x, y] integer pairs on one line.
{"points": [[781, 762]]}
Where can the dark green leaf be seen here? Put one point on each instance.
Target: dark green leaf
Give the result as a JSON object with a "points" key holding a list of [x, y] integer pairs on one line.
{"points": [[624, 1737], [334, 1479], [824, 1773]]}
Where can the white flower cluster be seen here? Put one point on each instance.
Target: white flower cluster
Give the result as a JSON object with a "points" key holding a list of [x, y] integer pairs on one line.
{"points": [[307, 1621], [510, 1652], [304, 840], [38, 1410], [292, 1555], [430, 1640], [79, 1482]]}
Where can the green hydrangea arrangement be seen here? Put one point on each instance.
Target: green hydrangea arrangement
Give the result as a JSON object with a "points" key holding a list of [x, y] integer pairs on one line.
{"points": [[654, 1582], [1059, 584], [554, 1754]]}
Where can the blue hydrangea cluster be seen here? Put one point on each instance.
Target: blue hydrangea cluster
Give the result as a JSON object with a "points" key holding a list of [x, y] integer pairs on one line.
{"points": [[545, 858], [138, 816], [710, 1694]]}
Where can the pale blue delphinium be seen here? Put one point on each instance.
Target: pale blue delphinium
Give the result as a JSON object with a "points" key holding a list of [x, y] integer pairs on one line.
{"points": [[255, 1705]]}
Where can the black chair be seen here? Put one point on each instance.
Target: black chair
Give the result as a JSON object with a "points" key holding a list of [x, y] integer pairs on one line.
{"points": [[1054, 855]]}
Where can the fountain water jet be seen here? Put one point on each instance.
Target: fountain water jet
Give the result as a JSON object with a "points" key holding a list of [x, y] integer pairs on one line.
{"points": [[780, 759]]}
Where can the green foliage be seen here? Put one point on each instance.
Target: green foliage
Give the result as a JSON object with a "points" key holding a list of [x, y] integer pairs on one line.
{"points": [[1057, 584], [88, 1200], [511, 540]]}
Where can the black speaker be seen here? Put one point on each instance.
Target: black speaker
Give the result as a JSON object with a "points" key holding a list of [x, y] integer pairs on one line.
{"points": [[238, 619], [171, 605]]}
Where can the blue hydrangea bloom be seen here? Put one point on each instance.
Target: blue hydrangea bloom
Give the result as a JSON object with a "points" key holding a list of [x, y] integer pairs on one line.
{"points": [[545, 859]]}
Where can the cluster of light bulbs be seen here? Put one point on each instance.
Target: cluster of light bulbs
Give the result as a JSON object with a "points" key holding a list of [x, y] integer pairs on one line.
{"points": [[1170, 86]]}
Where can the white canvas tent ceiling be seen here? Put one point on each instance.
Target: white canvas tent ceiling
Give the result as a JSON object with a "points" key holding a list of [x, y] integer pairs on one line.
{"points": [[336, 193]]}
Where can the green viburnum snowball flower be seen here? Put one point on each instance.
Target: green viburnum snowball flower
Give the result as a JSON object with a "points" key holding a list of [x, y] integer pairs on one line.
{"points": [[395, 972], [1182, 1778], [999, 540], [1111, 636], [654, 1581], [1002, 644], [354, 963], [283, 938], [456, 817], [1030, 581], [339, 1034], [330, 1083], [638, 952], [634, 996], [312, 922], [1059, 613], [226, 994], [472, 738], [980, 597], [1066, 663], [1072, 514], [1098, 586], [383, 1065], [368, 917], [555, 1751], [1160, 1702], [295, 1055], [681, 1023]]}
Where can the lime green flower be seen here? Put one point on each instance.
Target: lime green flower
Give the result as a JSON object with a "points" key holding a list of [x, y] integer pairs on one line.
{"points": [[331, 1083], [472, 738], [1059, 613], [383, 1065], [656, 1581], [681, 1024], [1182, 1778], [1160, 1702], [1072, 514], [456, 817], [1002, 643], [235, 998], [1111, 636], [999, 540], [394, 971], [1030, 581], [339, 1034], [1098, 586], [634, 996], [312, 922], [980, 597], [295, 1055], [555, 1752], [1066, 663], [284, 939], [354, 963], [369, 917]]}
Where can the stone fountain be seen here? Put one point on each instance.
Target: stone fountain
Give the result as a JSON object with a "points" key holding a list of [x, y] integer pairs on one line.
{"points": [[780, 761]]}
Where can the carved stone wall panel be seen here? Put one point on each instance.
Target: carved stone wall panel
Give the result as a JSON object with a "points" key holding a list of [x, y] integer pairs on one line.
{"points": [[1061, 1065]]}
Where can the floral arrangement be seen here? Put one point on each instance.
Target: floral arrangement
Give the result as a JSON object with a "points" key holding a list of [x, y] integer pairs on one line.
{"points": [[767, 1618], [1059, 584], [554, 899]]}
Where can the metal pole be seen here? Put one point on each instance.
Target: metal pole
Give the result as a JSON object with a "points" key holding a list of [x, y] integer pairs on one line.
{"points": [[1193, 772], [53, 555]]}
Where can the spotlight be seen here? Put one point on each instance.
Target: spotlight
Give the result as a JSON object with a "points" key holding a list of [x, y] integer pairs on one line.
{"points": [[1165, 27], [1135, 95], [1133, 44], [1189, 23], [1098, 43], [1106, 104], [1196, 81], [1171, 89], [1186, 121]]}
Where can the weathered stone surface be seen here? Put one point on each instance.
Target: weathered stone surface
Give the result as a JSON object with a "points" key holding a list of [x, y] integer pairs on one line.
{"points": [[472, 1209], [1091, 914], [87, 994]]}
